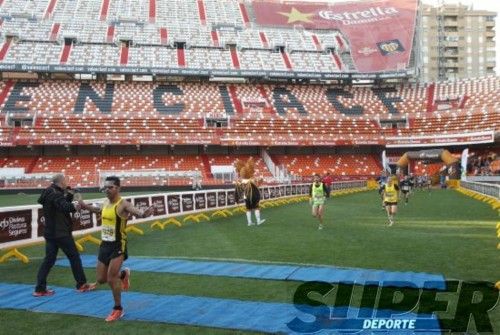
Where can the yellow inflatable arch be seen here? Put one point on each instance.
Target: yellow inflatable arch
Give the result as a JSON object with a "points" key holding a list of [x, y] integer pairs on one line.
{"points": [[434, 154]]}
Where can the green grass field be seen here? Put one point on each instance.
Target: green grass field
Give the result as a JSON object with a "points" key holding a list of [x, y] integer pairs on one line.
{"points": [[442, 232]]}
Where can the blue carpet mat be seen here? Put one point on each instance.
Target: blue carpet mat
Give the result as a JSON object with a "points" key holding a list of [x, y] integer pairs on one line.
{"points": [[204, 312], [277, 272]]}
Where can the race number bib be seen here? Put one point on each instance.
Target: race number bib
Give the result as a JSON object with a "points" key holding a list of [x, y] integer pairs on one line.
{"points": [[108, 233]]}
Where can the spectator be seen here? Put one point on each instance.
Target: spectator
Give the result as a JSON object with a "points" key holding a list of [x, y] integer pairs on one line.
{"points": [[57, 206], [196, 183], [485, 164], [328, 181]]}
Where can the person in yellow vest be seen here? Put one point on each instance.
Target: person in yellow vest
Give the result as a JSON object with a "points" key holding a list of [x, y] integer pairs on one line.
{"points": [[318, 193], [391, 195], [113, 249]]}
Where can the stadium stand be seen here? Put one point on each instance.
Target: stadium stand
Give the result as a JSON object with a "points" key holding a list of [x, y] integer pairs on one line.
{"points": [[213, 35], [483, 163], [65, 107], [85, 170], [94, 30], [337, 165], [71, 112], [200, 98], [23, 162]]}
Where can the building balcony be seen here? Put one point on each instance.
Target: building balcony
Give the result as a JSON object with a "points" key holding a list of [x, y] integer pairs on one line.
{"points": [[450, 64], [451, 44]]}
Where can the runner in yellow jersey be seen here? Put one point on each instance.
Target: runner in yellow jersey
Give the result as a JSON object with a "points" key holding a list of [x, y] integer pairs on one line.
{"points": [[318, 192], [391, 195], [113, 248]]}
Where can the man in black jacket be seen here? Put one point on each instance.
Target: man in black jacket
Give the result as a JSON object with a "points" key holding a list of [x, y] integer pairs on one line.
{"points": [[57, 206]]}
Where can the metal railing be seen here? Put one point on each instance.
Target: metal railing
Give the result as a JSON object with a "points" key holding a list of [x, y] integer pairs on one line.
{"points": [[486, 189]]}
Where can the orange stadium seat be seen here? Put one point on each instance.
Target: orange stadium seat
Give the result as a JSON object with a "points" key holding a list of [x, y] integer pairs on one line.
{"points": [[337, 165], [129, 111], [202, 35], [85, 170]]}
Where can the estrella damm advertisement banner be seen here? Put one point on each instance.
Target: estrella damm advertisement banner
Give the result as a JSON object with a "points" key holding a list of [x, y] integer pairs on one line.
{"points": [[379, 33]]}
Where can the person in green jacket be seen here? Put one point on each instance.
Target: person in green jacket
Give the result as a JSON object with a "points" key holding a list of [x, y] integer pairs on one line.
{"points": [[318, 193]]}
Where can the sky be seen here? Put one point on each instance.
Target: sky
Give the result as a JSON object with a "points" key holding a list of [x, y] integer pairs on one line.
{"points": [[492, 5]]}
